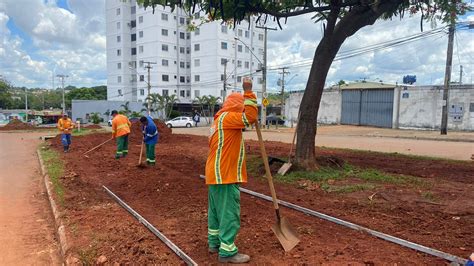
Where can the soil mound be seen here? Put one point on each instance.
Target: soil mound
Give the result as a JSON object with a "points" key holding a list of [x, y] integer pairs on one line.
{"points": [[93, 127], [136, 135], [17, 125]]}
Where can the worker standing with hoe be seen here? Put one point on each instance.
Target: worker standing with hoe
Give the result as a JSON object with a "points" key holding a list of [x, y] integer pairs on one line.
{"points": [[150, 138], [120, 131], [226, 170], [65, 125]]}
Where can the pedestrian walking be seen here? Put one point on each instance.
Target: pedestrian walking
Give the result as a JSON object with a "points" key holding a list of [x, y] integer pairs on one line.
{"points": [[65, 125], [226, 170], [120, 131], [150, 138], [196, 118]]}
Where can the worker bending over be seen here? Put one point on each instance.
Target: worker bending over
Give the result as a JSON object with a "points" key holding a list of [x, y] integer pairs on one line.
{"points": [[65, 125], [226, 170], [150, 138], [120, 131]]}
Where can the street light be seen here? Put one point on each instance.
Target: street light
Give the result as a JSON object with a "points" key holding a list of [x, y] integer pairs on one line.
{"points": [[62, 77]]}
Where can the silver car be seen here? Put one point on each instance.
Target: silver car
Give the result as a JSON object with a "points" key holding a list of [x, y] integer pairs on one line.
{"points": [[180, 121]]}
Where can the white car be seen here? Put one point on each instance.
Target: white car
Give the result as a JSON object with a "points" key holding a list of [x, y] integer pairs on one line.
{"points": [[180, 121]]}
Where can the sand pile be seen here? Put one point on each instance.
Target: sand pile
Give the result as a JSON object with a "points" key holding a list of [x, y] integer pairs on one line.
{"points": [[17, 125]]}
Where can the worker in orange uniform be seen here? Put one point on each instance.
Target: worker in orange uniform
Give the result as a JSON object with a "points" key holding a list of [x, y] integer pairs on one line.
{"points": [[120, 131], [225, 171], [65, 125]]}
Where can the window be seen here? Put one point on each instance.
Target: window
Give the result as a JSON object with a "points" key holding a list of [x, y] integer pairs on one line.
{"points": [[247, 64], [197, 62], [140, 49], [260, 37], [196, 47], [181, 35], [188, 36], [188, 50], [119, 53], [164, 47], [140, 34], [188, 79], [181, 21], [196, 93], [188, 65], [260, 51], [222, 77], [133, 24], [118, 11], [119, 92], [181, 50], [165, 93], [119, 65], [133, 37], [133, 64], [224, 29], [164, 16], [133, 9], [239, 78], [118, 25], [247, 34], [223, 45], [134, 51], [118, 38], [197, 78], [196, 32], [164, 62], [164, 32], [181, 64], [142, 92], [133, 78], [182, 79], [142, 77], [247, 49], [188, 93], [165, 78], [140, 19], [239, 63], [182, 93], [223, 61], [239, 48], [119, 79], [239, 32]]}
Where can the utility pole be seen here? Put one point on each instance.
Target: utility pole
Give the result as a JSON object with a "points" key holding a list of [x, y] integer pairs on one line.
{"points": [[263, 114], [447, 77], [148, 67], [62, 77], [224, 93], [283, 73], [26, 105], [460, 75]]}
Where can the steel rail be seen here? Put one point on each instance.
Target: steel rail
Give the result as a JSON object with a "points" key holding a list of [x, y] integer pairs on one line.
{"points": [[150, 227]]}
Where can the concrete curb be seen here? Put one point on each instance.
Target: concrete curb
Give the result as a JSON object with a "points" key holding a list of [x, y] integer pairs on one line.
{"points": [[60, 229]]}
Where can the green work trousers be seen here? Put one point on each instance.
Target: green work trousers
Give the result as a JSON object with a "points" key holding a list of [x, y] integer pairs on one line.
{"points": [[150, 153], [122, 146], [223, 218]]}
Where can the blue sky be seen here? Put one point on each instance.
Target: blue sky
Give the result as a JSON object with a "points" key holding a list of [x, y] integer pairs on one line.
{"points": [[68, 36]]}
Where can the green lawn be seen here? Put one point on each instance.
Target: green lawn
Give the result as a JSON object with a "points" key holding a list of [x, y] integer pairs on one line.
{"points": [[55, 169]]}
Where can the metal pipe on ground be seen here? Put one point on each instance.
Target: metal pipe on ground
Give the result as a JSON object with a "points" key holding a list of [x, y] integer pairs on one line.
{"points": [[150, 227], [393, 239]]}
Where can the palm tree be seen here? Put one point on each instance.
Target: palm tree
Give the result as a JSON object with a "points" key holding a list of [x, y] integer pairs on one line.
{"points": [[211, 103], [170, 101], [201, 101], [126, 109]]}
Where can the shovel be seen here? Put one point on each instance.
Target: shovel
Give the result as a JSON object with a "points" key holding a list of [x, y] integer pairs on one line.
{"points": [[140, 159], [96, 147], [283, 230], [286, 166]]}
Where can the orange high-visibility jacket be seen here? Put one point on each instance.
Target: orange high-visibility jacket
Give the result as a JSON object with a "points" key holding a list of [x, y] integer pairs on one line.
{"points": [[120, 126], [226, 161], [65, 125]]}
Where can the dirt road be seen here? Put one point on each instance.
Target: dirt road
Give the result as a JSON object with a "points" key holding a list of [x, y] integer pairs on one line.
{"points": [[382, 142], [26, 226]]}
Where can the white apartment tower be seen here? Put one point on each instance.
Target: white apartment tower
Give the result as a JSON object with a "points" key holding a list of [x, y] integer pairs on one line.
{"points": [[187, 64]]}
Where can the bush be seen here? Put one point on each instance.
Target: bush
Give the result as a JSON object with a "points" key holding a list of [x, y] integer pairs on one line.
{"points": [[95, 118], [174, 114]]}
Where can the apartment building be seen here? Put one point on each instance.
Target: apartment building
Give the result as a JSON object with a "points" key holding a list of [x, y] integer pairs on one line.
{"points": [[186, 63]]}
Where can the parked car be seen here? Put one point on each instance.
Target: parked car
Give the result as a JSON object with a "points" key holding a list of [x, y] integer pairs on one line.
{"points": [[180, 121], [272, 120]]}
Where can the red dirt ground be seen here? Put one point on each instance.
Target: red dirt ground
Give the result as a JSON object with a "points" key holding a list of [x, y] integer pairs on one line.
{"points": [[93, 127], [173, 198], [17, 125]]}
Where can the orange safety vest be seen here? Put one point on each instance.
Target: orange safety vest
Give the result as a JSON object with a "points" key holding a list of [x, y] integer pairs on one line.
{"points": [[120, 126], [226, 160], [65, 125]]}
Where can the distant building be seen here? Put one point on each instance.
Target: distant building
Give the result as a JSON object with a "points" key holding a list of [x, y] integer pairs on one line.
{"points": [[188, 64]]}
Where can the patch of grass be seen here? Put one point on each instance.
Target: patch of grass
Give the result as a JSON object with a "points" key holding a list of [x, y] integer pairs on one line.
{"points": [[428, 195], [87, 255], [85, 131], [346, 188], [322, 175], [55, 169], [373, 175]]}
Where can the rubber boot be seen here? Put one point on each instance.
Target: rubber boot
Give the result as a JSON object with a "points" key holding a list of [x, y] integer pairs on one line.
{"points": [[213, 250], [237, 258], [65, 148]]}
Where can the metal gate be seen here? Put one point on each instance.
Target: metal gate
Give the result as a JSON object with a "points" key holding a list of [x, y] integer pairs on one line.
{"points": [[367, 107]]}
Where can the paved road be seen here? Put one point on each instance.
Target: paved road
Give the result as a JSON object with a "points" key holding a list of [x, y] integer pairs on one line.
{"points": [[26, 226], [383, 142]]}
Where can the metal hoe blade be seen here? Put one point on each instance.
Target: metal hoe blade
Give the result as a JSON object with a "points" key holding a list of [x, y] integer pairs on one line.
{"points": [[284, 168], [286, 234]]}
